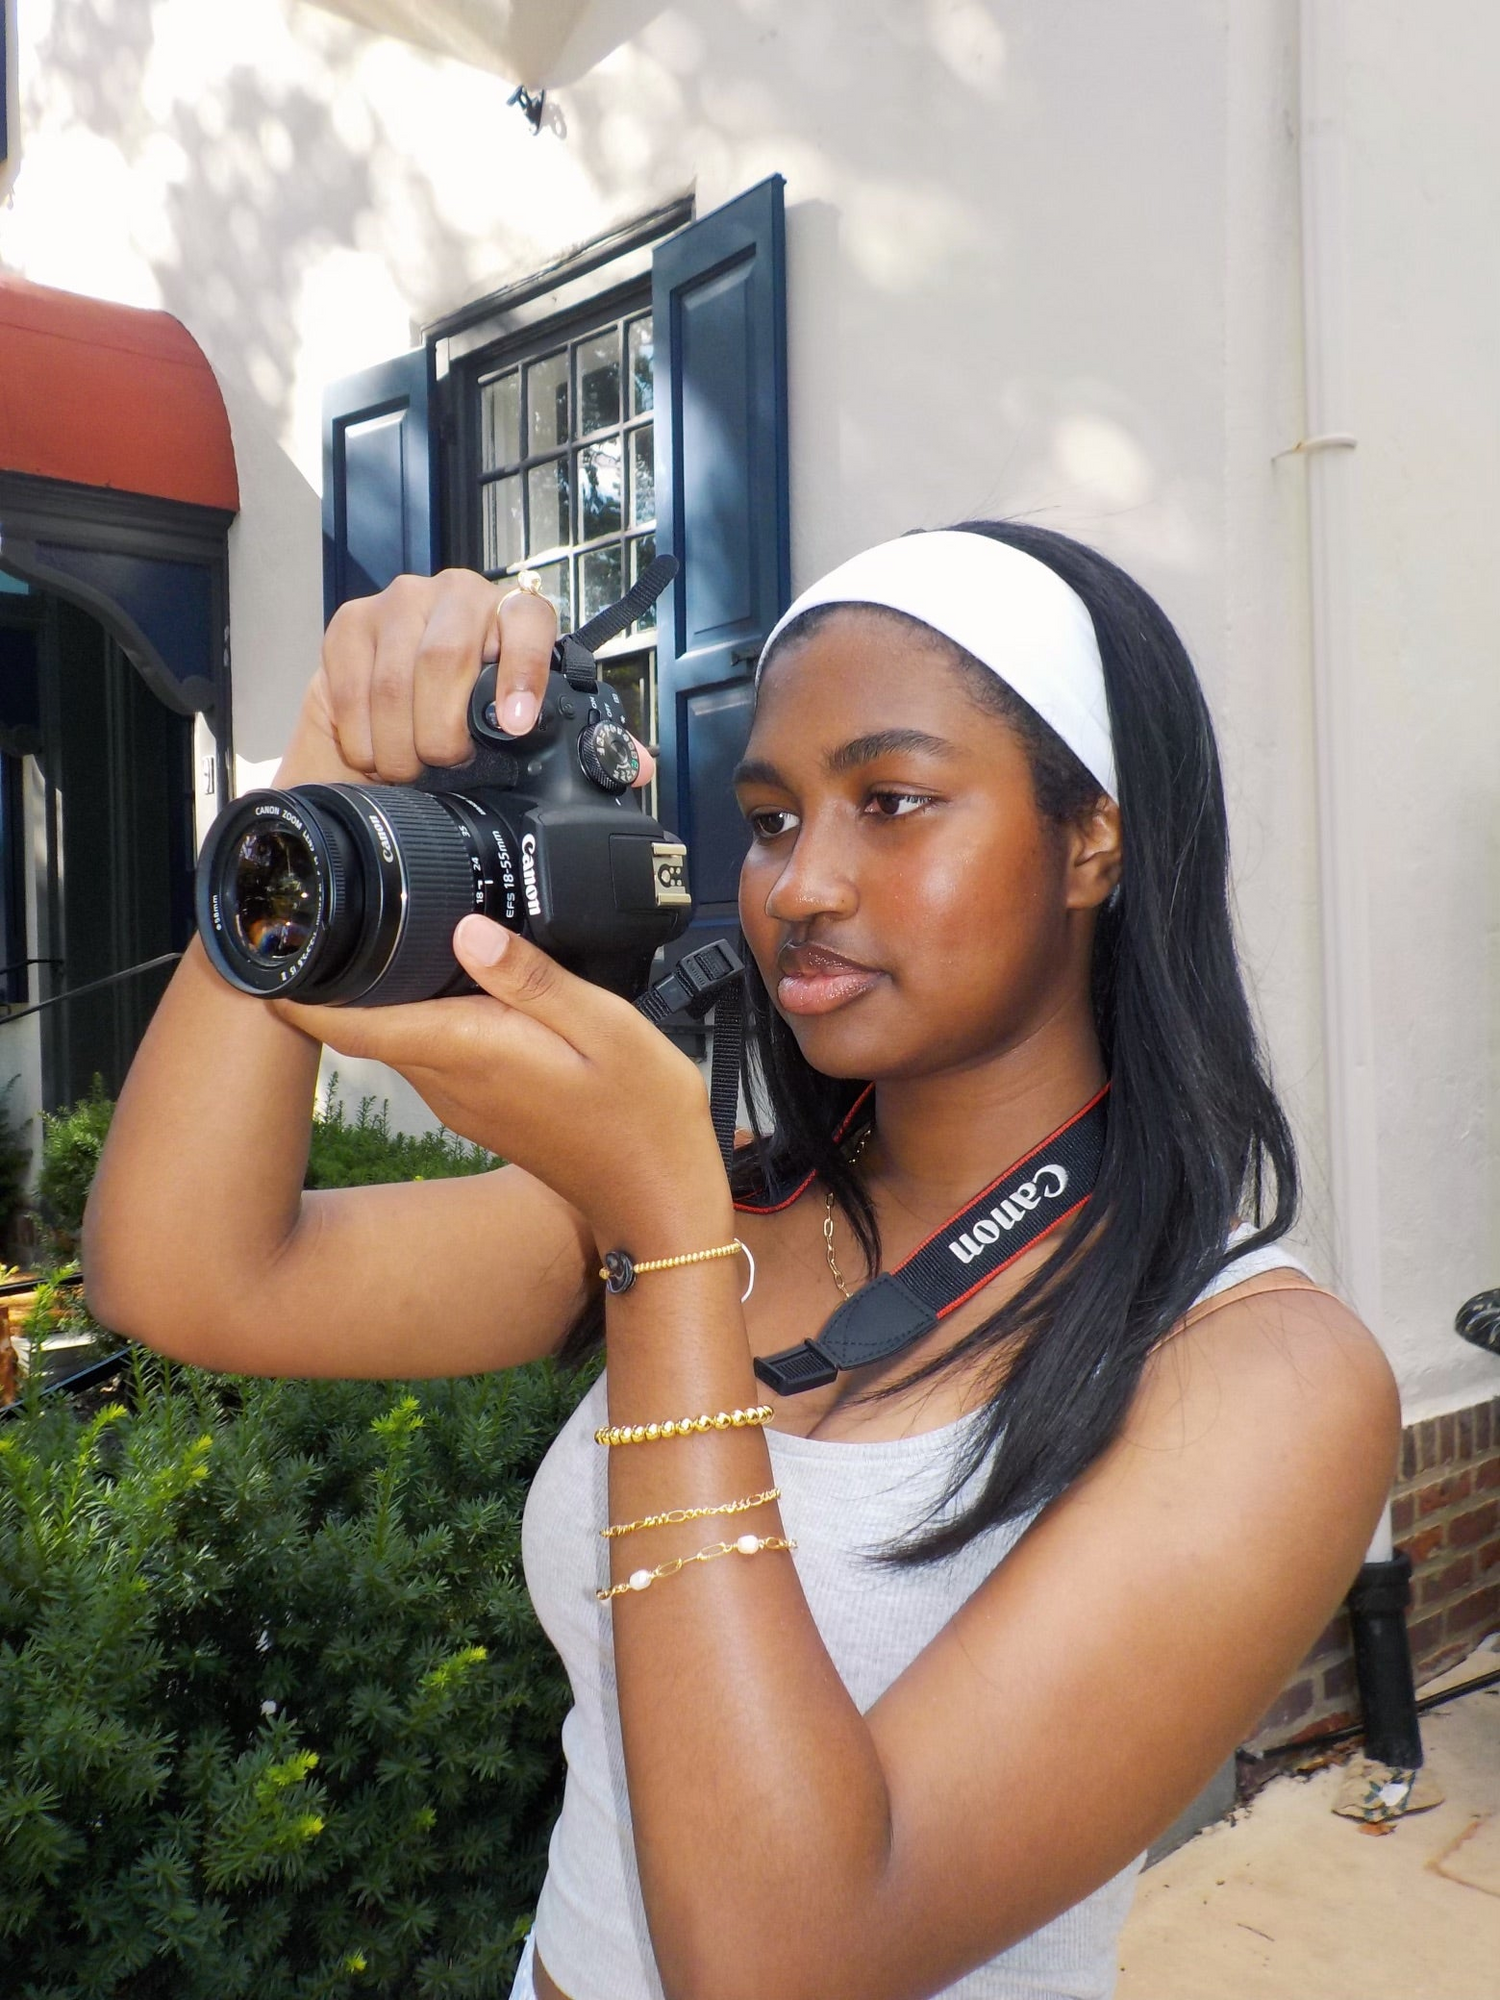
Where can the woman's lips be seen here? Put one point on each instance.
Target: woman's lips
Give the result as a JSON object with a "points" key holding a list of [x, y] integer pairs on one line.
{"points": [[816, 981]]}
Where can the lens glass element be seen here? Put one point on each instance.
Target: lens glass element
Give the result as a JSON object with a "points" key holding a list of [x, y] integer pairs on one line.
{"points": [[272, 894]]}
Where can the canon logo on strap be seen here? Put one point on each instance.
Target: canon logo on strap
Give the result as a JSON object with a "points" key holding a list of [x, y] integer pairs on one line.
{"points": [[1049, 1185]]}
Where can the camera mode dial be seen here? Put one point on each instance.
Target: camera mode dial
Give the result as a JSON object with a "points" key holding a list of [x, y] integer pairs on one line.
{"points": [[608, 756]]}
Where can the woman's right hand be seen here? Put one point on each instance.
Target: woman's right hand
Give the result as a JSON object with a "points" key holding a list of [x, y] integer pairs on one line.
{"points": [[392, 692]]}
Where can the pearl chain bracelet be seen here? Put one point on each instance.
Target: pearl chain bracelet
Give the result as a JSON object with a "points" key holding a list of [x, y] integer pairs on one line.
{"points": [[642, 1579]]}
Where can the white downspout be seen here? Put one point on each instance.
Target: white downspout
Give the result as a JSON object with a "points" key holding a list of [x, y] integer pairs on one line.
{"points": [[1348, 1023]]}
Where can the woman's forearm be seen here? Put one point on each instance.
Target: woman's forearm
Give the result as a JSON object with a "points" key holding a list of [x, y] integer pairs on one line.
{"points": [[760, 1811]]}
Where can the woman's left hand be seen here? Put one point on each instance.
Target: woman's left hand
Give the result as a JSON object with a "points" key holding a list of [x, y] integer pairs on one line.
{"points": [[547, 1070]]}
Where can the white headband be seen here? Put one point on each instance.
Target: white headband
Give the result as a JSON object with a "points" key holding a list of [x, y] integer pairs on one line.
{"points": [[1006, 608]]}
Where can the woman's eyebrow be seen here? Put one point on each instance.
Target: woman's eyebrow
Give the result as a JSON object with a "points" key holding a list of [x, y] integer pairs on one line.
{"points": [[849, 756], [885, 743], [756, 771]]}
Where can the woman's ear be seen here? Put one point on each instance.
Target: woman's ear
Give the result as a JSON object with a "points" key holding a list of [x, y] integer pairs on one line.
{"points": [[1095, 856]]}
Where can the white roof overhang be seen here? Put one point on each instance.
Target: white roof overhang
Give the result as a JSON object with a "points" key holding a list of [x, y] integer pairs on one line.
{"points": [[520, 39]]}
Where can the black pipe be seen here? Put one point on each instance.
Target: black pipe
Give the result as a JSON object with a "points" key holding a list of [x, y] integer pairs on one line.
{"points": [[1382, 1662]]}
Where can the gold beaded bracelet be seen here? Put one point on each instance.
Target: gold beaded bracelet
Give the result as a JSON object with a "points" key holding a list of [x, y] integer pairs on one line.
{"points": [[721, 1420], [693, 1513], [620, 1270], [642, 1579]]}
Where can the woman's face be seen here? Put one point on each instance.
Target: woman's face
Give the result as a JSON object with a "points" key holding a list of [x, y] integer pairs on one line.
{"points": [[908, 907]]}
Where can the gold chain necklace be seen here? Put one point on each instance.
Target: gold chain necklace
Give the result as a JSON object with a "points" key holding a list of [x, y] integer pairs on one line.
{"points": [[828, 1217]]}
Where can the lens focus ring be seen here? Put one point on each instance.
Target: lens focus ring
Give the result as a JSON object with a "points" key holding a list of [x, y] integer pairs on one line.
{"points": [[439, 888]]}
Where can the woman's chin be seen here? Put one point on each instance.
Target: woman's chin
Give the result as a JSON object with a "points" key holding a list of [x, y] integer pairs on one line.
{"points": [[840, 1045]]}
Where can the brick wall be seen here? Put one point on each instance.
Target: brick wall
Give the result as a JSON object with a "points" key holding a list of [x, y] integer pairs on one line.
{"points": [[1445, 1513]]}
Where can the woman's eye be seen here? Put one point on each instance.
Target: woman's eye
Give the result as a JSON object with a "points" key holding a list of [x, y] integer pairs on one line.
{"points": [[897, 805], [770, 825]]}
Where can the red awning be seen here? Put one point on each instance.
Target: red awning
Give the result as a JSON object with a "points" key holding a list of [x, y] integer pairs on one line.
{"points": [[110, 396]]}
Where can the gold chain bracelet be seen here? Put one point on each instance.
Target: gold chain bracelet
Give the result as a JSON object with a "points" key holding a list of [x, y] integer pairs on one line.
{"points": [[720, 1420], [677, 1514], [642, 1579]]}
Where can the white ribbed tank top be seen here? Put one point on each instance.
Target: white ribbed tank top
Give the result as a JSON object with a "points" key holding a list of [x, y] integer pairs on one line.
{"points": [[840, 1499]]}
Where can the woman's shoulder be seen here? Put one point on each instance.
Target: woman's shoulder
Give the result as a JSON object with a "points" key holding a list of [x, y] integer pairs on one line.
{"points": [[1287, 1356]]}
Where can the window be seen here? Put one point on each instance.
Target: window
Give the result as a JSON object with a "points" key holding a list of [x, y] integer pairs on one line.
{"points": [[631, 392], [567, 483]]}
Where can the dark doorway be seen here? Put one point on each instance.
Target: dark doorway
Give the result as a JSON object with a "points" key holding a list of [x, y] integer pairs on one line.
{"points": [[105, 813]]}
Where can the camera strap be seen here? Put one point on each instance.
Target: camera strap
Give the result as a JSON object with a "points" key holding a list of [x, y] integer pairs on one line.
{"points": [[1016, 1210], [710, 977]]}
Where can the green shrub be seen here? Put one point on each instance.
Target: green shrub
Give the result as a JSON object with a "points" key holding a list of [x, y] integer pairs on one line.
{"points": [[72, 1141], [357, 1153], [276, 1718]]}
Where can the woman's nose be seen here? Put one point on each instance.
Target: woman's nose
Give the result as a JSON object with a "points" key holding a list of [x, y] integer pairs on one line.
{"points": [[814, 879]]}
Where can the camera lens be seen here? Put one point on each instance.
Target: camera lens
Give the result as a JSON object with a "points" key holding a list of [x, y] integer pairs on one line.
{"points": [[349, 893], [274, 894]]}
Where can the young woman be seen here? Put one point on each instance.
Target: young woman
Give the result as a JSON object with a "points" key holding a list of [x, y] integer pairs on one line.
{"points": [[899, 1676]]}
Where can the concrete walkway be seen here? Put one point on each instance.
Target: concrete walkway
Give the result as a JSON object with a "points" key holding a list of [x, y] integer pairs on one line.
{"points": [[1290, 1901]]}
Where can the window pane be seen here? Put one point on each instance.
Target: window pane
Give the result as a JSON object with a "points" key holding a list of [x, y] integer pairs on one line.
{"points": [[599, 382], [599, 580], [642, 478], [501, 421], [547, 401], [502, 522], [599, 490], [547, 497], [555, 584], [643, 553], [641, 357]]}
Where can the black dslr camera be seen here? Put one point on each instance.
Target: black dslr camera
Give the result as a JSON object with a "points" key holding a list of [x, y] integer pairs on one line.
{"points": [[349, 894]]}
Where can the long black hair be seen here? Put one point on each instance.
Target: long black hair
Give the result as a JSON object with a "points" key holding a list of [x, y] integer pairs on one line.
{"points": [[1197, 1142]]}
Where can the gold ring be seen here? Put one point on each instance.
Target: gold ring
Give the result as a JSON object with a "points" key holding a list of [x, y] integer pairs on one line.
{"points": [[530, 581]]}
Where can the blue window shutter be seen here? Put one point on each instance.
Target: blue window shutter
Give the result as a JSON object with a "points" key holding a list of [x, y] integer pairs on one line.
{"points": [[719, 307], [380, 516]]}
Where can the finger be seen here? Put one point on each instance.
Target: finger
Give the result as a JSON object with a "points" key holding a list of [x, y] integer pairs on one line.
{"points": [[648, 765], [512, 969], [377, 1032], [528, 632], [447, 665], [348, 651], [398, 636], [443, 1036]]}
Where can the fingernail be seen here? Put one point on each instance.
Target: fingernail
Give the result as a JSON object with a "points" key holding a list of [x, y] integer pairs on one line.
{"points": [[482, 940], [518, 711]]}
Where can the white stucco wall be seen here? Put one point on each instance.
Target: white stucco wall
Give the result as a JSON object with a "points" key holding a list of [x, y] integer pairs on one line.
{"points": [[1041, 261], [1424, 202]]}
